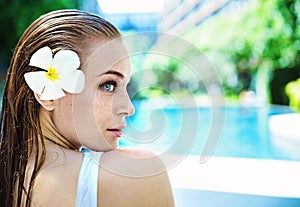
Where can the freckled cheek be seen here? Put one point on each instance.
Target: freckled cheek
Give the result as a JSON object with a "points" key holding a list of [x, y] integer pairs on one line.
{"points": [[103, 110]]}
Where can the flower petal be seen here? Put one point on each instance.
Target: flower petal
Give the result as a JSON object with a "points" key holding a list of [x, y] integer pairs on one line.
{"points": [[72, 82], [36, 81], [52, 91], [65, 61], [42, 58]]}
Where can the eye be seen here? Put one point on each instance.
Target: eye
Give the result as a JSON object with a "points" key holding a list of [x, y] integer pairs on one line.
{"points": [[108, 86]]}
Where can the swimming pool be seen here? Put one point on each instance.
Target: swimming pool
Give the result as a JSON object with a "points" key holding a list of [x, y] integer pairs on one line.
{"points": [[245, 132], [247, 168]]}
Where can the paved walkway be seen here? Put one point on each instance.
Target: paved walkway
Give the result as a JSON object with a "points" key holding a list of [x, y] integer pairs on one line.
{"points": [[238, 175]]}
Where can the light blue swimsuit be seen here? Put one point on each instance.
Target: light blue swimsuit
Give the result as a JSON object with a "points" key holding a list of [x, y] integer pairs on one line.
{"points": [[88, 179]]}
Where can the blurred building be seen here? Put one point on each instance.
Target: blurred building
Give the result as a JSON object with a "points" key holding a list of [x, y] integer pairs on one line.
{"points": [[171, 16], [128, 15], [180, 15]]}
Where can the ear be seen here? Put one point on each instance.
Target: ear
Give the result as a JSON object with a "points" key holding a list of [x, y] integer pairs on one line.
{"points": [[49, 105]]}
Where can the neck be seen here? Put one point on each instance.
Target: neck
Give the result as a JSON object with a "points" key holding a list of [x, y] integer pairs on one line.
{"points": [[50, 132]]}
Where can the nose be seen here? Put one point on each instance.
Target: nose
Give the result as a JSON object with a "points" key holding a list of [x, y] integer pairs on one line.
{"points": [[126, 107]]}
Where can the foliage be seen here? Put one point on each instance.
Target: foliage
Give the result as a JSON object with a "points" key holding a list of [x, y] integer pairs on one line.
{"points": [[159, 79], [17, 15], [293, 92], [244, 42], [261, 35]]}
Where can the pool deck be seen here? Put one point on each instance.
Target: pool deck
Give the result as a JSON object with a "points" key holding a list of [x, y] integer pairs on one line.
{"points": [[277, 178]]}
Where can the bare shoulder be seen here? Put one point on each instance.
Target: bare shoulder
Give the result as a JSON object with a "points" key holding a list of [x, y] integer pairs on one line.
{"points": [[56, 183], [131, 177]]}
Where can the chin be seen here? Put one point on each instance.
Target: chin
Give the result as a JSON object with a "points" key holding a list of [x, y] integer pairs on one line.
{"points": [[112, 145], [108, 147]]}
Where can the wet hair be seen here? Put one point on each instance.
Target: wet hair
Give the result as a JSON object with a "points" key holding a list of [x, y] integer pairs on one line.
{"points": [[20, 126]]}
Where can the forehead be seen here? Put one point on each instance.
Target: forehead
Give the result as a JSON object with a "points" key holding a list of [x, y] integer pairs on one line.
{"points": [[102, 57]]}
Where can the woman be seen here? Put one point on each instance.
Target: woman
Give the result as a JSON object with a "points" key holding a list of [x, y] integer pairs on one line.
{"points": [[63, 110]]}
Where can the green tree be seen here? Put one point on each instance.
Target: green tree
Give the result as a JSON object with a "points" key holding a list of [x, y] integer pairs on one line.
{"points": [[293, 92], [17, 15], [262, 36]]}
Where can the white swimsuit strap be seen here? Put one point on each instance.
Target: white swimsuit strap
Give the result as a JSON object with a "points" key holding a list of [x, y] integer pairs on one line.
{"points": [[88, 179]]}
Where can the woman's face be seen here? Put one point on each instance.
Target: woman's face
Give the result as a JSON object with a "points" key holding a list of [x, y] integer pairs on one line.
{"points": [[95, 117]]}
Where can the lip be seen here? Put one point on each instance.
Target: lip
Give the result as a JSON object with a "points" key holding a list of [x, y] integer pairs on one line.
{"points": [[117, 132]]}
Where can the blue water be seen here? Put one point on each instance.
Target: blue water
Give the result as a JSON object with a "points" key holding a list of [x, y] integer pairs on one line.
{"points": [[245, 132]]}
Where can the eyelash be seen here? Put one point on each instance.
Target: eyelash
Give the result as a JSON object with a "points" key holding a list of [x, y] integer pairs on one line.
{"points": [[111, 83]]}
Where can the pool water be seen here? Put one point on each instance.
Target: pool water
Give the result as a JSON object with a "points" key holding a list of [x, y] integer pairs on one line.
{"points": [[245, 132]]}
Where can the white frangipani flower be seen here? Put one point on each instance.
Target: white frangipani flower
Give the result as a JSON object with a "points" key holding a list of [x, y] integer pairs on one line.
{"points": [[60, 74]]}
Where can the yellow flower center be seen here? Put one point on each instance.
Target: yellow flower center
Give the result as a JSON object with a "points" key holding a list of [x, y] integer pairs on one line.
{"points": [[52, 74]]}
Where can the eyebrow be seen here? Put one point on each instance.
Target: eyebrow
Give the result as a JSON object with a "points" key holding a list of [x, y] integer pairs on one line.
{"points": [[114, 73]]}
